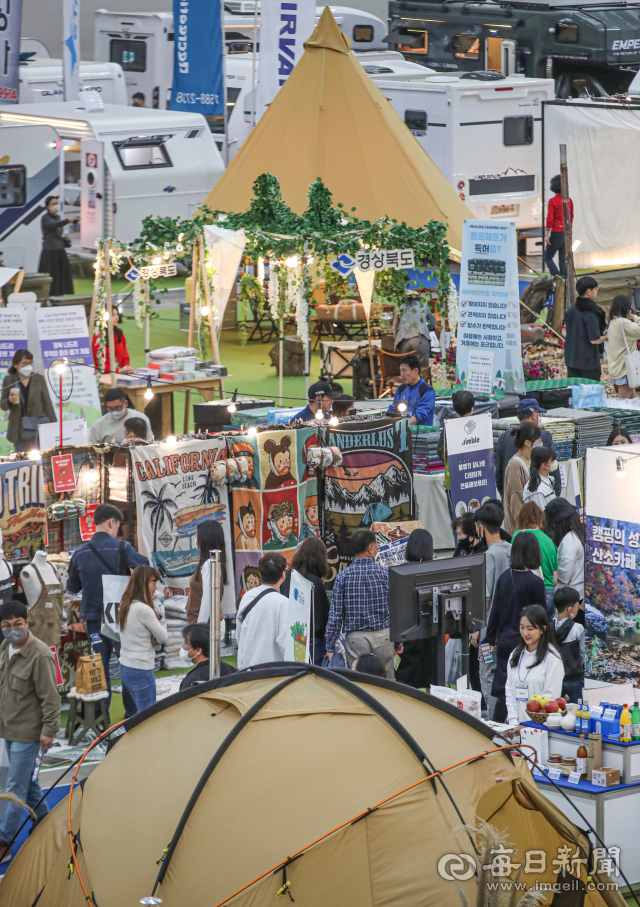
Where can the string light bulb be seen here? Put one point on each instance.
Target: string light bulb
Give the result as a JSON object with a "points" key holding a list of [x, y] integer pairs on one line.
{"points": [[34, 454], [105, 315], [61, 366], [148, 394], [292, 262], [319, 415], [252, 430], [172, 440], [621, 469], [333, 421], [232, 406], [204, 311], [402, 407], [158, 260]]}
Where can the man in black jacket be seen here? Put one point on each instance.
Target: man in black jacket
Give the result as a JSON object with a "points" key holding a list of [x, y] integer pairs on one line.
{"points": [[586, 332], [195, 651]]}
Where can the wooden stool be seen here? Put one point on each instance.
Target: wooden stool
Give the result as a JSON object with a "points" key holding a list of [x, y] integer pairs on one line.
{"points": [[94, 715]]}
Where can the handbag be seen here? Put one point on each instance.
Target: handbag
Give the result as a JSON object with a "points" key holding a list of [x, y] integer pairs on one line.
{"points": [[29, 427], [631, 361], [113, 588], [90, 676], [67, 242]]}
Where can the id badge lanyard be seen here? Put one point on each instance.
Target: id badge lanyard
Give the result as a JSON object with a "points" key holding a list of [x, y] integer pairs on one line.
{"points": [[522, 685]]}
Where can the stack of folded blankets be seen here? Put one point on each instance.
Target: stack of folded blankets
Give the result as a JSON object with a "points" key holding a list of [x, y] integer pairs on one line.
{"points": [[175, 610], [592, 427], [562, 430], [424, 445]]}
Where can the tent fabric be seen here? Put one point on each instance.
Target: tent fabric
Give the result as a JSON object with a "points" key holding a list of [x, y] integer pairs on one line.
{"points": [[263, 798], [330, 120], [606, 199], [224, 251]]}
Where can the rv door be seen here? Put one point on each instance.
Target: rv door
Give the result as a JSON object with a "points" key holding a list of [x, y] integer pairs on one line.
{"points": [[91, 193], [500, 55]]}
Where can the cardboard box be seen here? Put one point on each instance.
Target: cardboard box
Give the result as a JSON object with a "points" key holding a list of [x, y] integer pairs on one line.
{"points": [[605, 777], [594, 752]]}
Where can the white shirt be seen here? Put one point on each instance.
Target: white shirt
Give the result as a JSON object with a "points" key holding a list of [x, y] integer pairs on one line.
{"points": [[108, 428], [261, 636], [571, 563], [544, 679], [543, 494], [12, 651]]}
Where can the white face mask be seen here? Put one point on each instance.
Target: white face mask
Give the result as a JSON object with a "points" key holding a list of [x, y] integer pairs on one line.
{"points": [[184, 655], [119, 413], [26, 370], [538, 444]]}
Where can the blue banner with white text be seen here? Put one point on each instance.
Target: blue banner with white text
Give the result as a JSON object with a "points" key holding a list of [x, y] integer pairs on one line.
{"points": [[197, 63]]}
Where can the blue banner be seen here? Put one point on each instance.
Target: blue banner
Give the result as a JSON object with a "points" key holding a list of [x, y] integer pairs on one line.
{"points": [[197, 61], [471, 465]]}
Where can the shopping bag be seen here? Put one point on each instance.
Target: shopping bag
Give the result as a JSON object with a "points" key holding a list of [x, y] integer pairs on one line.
{"points": [[113, 588], [90, 676], [631, 362]]}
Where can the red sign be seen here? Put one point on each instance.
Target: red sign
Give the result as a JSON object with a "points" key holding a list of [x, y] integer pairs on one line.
{"points": [[59, 679], [63, 475], [87, 524], [92, 159]]}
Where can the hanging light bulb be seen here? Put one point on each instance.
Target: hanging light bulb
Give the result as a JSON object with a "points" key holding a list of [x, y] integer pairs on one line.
{"points": [[621, 469], [292, 262], [61, 366], [402, 407], [204, 311], [232, 406], [34, 454], [334, 421], [252, 430], [320, 415], [172, 440], [105, 315], [157, 260], [148, 394], [180, 237]]}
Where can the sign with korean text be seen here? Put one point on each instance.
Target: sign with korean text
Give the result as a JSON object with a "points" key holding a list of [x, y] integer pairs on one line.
{"points": [[489, 311], [373, 260], [63, 333], [152, 272], [197, 57], [63, 475], [11, 20], [471, 464], [284, 27]]}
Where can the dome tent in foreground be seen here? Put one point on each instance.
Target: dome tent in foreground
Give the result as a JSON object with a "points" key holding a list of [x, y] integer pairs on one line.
{"points": [[348, 787]]}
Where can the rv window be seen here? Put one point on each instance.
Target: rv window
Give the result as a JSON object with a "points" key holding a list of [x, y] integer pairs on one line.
{"points": [[567, 32], [216, 123], [416, 120], [416, 40], [137, 154], [131, 55], [466, 46], [517, 131], [13, 186], [363, 33]]}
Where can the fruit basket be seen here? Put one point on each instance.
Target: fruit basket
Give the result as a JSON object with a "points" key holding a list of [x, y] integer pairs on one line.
{"points": [[538, 717], [546, 707]]}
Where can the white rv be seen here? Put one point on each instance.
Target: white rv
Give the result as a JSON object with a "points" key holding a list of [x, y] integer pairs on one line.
{"points": [[41, 81], [117, 164], [484, 132], [142, 44]]}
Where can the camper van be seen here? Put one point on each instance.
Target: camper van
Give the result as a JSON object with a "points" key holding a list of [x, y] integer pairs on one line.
{"points": [[118, 164], [142, 44], [484, 132], [41, 81]]}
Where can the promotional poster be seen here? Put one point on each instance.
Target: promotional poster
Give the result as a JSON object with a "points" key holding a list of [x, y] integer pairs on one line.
{"points": [[63, 332], [197, 58], [299, 618], [488, 352], [22, 509], [471, 463]]}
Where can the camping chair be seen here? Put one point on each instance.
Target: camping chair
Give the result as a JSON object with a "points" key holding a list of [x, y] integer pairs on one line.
{"points": [[264, 331], [390, 371]]}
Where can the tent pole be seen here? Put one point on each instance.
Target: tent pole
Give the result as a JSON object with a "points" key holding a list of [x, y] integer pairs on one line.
{"points": [[107, 275], [147, 323], [214, 614], [281, 360], [192, 317], [378, 391]]}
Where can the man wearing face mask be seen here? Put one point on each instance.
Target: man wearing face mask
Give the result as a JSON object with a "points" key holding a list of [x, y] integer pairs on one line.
{"points": [[53, 258], [195, 653], [110, 427], [26, 398], [29, 713]]}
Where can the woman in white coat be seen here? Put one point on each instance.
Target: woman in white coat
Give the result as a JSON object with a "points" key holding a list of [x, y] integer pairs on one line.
{"points": [[535, 665]]}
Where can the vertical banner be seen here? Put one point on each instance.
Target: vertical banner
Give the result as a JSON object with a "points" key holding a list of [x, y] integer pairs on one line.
{"points": [[13, 337], [197, 57], [174, 494], [299, 628], [471, 465], [372, 484], [10, 29], [91, 193], [284, 27], [22, 509], [71, 49], [488, 352]]}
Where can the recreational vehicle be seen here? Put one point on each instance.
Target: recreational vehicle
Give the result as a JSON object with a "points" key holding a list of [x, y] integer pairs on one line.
{"points": [[41, 81], [117, 164], [483, 130]]}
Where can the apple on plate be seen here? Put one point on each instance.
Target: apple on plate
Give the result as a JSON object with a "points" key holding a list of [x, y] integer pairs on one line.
{"points": [[533, 705], [552, 706]]}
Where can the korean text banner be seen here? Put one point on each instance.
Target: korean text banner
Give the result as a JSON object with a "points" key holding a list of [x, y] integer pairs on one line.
{"points": [[197, 57], [471, 464], [488, 353], [22, 509], [284, 27], [372, 484], [174, 495], [63, 333], [10, 51], [276, 508]]}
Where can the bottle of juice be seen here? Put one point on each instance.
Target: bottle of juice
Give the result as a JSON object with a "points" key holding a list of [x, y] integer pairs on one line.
{"points": [[635, 722], [579, 717], [625, 725], [582, 757], [586, 718]]}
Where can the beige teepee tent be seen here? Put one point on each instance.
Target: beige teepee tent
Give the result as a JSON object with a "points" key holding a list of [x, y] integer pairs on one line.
{"points": [[353, 789], [330, 120]]}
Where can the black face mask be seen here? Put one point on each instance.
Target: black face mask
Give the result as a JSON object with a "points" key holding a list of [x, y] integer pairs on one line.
{"points": [[464, 544]]}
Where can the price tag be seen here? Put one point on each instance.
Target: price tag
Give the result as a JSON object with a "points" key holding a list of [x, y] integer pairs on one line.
{"points": [[537, 773], [609, 715], [574, 778], [554, 773]]}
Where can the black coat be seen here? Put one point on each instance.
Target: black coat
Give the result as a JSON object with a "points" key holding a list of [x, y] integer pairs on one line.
{"points": [[200, 674]]}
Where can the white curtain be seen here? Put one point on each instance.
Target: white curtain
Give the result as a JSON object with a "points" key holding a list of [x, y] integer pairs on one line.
{"points": [[224, 250]]}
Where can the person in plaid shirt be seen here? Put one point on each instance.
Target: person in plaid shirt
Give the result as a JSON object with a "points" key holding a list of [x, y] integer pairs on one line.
{"points": [[360, 606]]}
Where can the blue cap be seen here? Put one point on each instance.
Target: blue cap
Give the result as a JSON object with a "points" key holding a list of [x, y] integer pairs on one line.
{"points": [[529, 405]]}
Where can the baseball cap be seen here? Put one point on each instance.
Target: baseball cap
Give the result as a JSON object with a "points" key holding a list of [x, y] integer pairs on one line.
{"points": [[529, 405], [320, 389]]}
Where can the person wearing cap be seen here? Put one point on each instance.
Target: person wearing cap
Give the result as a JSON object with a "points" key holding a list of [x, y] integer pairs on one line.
{"points": [[529, 410], [568, 537], [320, 398], [415, 397]]}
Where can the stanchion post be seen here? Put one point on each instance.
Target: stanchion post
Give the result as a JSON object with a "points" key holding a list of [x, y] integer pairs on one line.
{"points": [[107, 277], [215, 613]]}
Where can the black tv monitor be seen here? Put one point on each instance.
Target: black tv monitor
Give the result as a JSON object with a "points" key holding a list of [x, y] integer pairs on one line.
{"points": [[436, 599]]}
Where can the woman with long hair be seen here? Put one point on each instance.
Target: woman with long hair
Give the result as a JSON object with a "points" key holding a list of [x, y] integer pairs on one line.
{"points": [[311, 561], [531, 519], [209, 537], [26, 397], [417, 666], [120, 351], [516, 589], [539, 488], [516, 475], [623, 334], [535, 666], [568, 536], [619, 435], [140, 631]]}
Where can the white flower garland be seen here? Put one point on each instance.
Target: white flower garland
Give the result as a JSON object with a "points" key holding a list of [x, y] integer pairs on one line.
{"points": [[274, 291], [261, 271], [452, 308], [301, 304]]}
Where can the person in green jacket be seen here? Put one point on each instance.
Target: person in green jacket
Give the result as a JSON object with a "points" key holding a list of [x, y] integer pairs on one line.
{"points": [[532, 519]]}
